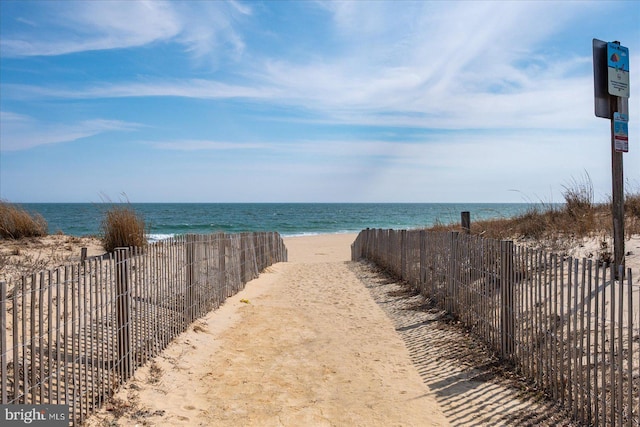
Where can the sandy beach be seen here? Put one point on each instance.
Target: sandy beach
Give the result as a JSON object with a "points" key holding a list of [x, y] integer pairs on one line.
{"points": [[319, 341], [302, 345]]}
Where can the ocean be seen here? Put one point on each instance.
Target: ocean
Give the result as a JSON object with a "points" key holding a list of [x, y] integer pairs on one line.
{"points": [[289, 219]]}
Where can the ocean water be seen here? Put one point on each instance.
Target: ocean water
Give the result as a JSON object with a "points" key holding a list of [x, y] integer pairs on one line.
{"points": [[289, 219]]}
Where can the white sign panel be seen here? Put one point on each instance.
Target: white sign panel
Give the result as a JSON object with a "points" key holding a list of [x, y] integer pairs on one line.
{"points": [[618, 70], [621, 132]]}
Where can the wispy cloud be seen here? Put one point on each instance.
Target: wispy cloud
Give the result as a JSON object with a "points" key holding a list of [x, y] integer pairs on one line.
{"points": [[21, 132], [187, 88], [204, 145], [71, 27], [81, 26], [442, 65], [388, 99]]}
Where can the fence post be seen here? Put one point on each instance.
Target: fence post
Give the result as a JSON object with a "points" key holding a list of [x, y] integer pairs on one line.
{"points": [[222, 263], [3, 338], [507, 312], [190, 276], [123, 314], [403, 254], [465, 221], [244, 249], [423, 260], [453, 262]]}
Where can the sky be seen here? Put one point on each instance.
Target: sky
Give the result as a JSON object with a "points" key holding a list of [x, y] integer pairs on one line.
{"points": [[308, 101]]}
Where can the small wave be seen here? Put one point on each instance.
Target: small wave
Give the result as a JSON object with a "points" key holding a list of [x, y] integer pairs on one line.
{"points": [[151, 238], [317, 233]]}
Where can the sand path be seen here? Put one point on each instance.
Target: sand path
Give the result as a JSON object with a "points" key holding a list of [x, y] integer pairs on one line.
{"points": [[322, 341], [303, 345]]}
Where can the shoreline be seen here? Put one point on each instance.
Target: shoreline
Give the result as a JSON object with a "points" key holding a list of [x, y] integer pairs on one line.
{"points": [[167, 219]]}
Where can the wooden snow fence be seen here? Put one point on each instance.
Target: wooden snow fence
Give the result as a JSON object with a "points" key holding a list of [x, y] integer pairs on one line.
{"points": [[73, 335], [566, 324]]}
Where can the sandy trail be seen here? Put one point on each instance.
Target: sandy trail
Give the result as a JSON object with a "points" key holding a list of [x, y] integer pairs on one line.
{"points": [[303, 345], [317, 341]]}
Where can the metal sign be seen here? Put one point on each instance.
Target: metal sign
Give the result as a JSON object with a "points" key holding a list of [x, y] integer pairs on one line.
{"points": [[611, 90], [601, 95], [621, 132], [618, 70]]}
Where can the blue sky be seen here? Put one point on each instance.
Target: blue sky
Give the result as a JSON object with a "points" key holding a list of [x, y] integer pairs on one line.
{"points": [[308, 101]]}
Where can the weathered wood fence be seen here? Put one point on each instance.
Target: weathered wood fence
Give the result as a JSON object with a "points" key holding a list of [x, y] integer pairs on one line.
{"points": [[565, 324], [73, 335]]}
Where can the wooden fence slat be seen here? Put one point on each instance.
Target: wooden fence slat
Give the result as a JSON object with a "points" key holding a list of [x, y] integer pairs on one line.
{"points": [[563, 321], [612, 346], [619, 364], [3, 342], [596, 348], [630, 417], [589, 356]]}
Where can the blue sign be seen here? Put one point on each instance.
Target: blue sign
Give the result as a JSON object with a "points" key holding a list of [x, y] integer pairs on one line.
{"points": [[618, 70]]}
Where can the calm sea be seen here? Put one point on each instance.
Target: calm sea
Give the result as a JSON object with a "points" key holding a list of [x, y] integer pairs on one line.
{"points": [[289, 219]]}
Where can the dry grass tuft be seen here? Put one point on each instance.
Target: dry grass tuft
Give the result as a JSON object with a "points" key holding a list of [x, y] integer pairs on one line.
{"points": [[155, 373], [123, 227], [16, 223], [632, 213], [579, 206], [632, 205], [554, 227]]}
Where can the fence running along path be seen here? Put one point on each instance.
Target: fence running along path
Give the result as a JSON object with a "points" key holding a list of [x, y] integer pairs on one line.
{"points": [[73, 335], [566, 324]]}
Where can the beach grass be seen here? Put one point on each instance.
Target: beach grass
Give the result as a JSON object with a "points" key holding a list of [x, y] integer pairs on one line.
{"points": [[578, 217], [16, 223], [122, 227]]}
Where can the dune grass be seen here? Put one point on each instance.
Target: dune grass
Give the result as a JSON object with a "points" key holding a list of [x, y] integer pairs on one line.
{"points": [[16, 223], [122, 227], [579, 217]]}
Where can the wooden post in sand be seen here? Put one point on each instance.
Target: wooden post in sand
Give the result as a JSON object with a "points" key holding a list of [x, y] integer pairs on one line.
{"points": [[190, 277], [465, 221], [617, 180], [507, 313], [3, 337], [611, 94], [403, 254], [452, 276], [123, 294]]}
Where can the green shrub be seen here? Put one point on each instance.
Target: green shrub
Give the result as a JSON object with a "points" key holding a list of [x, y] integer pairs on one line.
{"points": [[122, 227], [16, 223]]}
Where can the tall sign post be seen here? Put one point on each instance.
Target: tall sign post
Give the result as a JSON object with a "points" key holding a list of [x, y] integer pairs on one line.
{"points": [[611, 89]]}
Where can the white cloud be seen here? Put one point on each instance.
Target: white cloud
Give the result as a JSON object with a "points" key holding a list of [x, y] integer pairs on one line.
{"points": [[209, 28], [439, 65], [78, 26], [69, 27], [435, 64], [188, 88], [21, 132]]}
